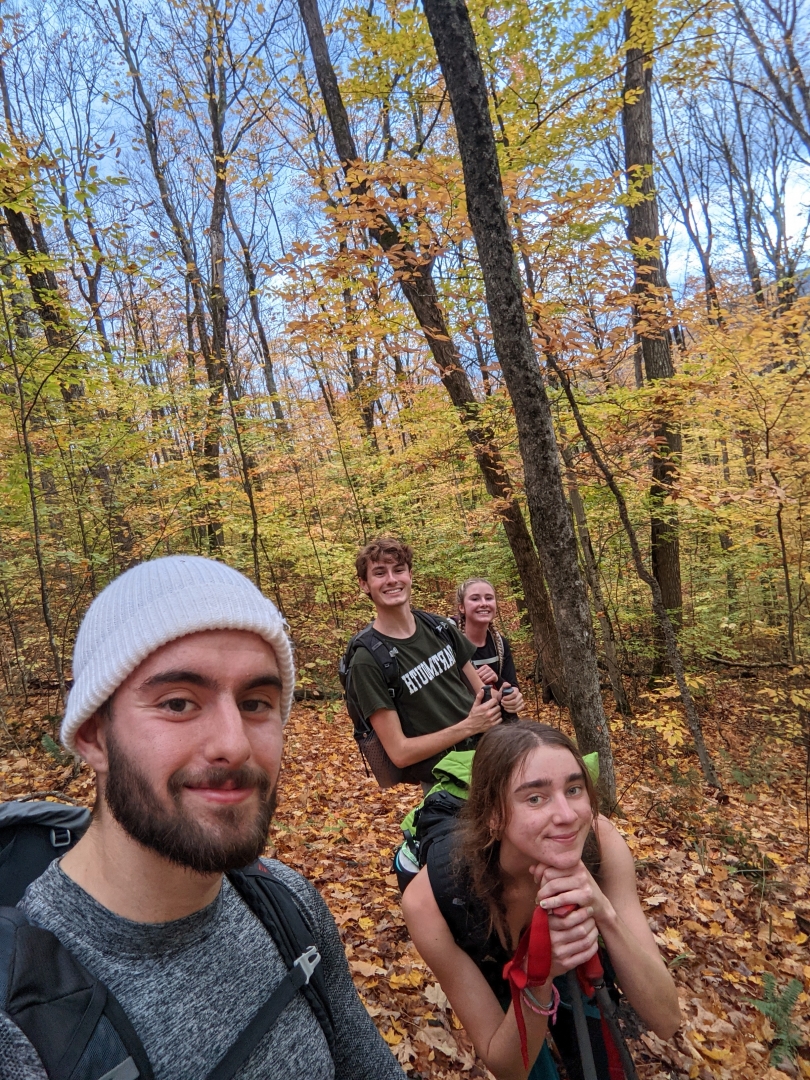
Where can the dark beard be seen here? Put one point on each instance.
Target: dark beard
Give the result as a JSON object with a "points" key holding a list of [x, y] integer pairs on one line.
{"points": [[174, 834]]}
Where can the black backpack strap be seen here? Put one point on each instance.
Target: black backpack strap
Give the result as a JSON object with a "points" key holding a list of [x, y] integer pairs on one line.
{"points": [[451, 890], [296, 978], [72, 1020], [369, 639], [440, 626], [277, 909], [466, 916]]}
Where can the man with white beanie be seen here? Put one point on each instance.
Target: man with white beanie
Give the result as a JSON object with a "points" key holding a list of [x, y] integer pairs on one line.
{"points": [[183, 682]]}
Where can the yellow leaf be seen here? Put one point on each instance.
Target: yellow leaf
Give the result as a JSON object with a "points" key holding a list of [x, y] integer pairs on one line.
{"points": [[391, 1037], [715, 1055], [410, 978], [365, 923]]}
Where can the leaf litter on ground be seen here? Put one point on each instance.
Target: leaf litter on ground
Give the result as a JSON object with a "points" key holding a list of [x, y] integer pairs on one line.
{"points": [[724, 882]]}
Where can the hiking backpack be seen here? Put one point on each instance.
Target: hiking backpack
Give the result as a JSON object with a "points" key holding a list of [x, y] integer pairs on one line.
{"points": [[73, 1021], [469, 922], [372, 751]]}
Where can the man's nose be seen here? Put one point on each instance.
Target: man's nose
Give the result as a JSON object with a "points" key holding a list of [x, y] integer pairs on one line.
{"points": [[227, 740]]}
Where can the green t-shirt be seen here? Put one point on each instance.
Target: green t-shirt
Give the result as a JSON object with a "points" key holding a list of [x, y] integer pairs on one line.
{"points": [[434, 696]]}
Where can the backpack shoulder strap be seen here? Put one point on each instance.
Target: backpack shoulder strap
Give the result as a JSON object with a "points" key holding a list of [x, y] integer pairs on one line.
{"points": [[72, 1020], [369, 639], [437, 623], [453, 895], [277, 910], [467, 917]]}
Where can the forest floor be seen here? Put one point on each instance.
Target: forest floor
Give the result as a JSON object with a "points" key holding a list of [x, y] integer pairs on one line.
{"points": [[723, 881]]}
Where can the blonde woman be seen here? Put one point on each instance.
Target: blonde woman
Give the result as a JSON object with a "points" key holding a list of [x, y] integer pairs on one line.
{"points": [[477, 607]]}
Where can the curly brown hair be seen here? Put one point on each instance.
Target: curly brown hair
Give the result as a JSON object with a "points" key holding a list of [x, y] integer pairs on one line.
{"points": [[500, 753], [383, 549]]}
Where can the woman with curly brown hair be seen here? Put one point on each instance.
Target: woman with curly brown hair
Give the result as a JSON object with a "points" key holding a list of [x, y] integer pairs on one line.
{"points": [[531, 835]]}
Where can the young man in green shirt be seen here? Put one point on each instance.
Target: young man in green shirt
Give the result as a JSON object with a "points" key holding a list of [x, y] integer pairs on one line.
{"points": [[444, 711]]}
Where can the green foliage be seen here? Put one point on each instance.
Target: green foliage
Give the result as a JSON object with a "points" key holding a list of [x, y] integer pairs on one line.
{"points": [[778, 1008], [56, 751]]}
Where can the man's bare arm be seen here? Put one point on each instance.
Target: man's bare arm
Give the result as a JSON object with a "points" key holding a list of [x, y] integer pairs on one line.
{"points": [[405, 751]]}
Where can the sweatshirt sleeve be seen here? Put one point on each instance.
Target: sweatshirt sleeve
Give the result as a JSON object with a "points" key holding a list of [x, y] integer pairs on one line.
{"points": [[18, 1059], [360, 1051]]}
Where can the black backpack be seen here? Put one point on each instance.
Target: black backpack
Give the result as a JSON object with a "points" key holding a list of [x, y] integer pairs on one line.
{"points": [[73, 1021], [470, 924], [371, 749], [434, 819]]}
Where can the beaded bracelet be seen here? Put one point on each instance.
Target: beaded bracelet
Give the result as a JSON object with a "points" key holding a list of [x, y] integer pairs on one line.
{"points": [[549, 1010]]}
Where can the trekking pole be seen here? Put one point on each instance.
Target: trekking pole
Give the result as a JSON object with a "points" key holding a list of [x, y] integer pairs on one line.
{"points": [[581, 1025], [607, 1008]]}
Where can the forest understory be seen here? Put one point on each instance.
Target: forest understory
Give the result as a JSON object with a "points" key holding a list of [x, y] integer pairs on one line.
{"points": [[723, 879]]}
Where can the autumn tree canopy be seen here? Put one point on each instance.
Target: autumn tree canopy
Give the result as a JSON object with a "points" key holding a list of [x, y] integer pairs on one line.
{"points": [[246, 312]]}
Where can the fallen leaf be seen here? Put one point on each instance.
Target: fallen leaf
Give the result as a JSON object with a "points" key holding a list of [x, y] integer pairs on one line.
{"points": [[362, 967], [439, 1039], [436, 996]]}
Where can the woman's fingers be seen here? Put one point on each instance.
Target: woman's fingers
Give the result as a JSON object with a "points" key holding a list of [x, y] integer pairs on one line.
{"points": [[487, 675], [580, 914], [566, 954], [564, 901]]}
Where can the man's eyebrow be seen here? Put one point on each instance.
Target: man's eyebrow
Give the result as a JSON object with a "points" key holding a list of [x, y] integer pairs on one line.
{"points": [[269, 679], [179, 675], [195, 678], [544, 783]]}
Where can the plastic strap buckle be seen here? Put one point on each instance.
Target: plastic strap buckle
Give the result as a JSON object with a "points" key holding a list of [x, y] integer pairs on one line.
{"points": [[60, 838], [308, 961]]}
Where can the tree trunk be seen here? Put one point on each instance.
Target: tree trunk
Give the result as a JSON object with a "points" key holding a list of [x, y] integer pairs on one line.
{"points": [[594, 584], [552, 527], [253, 300], [661, 613], [649, 288], [414, 276], [148, 120]]}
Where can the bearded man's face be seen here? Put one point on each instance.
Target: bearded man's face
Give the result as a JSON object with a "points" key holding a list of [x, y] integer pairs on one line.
{"points": [[193, 746]]}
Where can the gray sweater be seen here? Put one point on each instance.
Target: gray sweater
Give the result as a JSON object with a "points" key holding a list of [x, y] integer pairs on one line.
{"points": [[191, 985]]}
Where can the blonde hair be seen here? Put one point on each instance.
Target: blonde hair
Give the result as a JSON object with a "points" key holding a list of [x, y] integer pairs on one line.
{"points": [[461, 593]]}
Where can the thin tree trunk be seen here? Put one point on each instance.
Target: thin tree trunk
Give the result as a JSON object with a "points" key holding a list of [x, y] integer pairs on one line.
{"points": [[148, 121], [659, 608], [552, 527], [44, 592], [414, 276], [253, 298], [595, 585], [649, 288]]}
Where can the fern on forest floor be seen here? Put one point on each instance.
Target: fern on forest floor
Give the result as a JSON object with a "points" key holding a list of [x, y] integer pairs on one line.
{"points": [[778, 1009]]}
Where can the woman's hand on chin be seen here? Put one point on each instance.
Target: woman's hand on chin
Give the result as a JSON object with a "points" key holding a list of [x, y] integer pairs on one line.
{"points": [[560, 888]]}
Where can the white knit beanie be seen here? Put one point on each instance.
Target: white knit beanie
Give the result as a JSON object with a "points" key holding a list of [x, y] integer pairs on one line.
{"points": [[157, 602]]}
